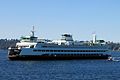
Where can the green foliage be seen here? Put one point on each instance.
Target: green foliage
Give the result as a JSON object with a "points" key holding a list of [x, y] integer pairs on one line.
{"points": [[6, 43]]}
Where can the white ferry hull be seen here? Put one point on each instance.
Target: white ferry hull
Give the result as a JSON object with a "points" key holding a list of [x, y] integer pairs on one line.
{"points": [[42, 56]]}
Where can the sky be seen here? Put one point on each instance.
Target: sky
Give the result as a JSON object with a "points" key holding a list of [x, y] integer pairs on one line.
{"points": [[52, 18]]}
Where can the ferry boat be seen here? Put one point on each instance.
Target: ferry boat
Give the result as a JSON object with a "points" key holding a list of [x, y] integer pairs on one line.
{"points": [[32, 48]]}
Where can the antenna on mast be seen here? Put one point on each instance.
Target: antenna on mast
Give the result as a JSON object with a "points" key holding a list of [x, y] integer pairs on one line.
{"points": [[33, 32]]}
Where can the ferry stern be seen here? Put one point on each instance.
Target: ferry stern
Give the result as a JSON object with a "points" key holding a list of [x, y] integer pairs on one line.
{"points": [[13, 52]]}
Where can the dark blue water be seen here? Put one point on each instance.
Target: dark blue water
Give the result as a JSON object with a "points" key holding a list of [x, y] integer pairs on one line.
{"points": [[58, 70]]}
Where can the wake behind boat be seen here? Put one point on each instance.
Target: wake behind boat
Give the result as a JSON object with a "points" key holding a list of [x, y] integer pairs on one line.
{"points": [[32, 48], [114, 59]]}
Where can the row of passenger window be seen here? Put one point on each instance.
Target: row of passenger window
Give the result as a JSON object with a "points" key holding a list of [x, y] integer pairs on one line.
{"points": [[76, 54], [69, 50], [75, 47]]}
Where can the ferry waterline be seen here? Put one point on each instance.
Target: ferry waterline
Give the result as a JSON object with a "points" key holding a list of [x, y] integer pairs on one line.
{"points": [[32, 48]]}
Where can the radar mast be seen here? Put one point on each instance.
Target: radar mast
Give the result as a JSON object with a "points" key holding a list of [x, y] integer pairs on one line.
{"points": [[33, 32]]}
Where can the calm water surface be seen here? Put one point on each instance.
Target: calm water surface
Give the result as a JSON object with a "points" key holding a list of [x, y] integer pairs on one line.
{"points": [[58, 70]]}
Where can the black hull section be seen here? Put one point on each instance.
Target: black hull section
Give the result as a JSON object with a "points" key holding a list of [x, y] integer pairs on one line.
{"points": [[65, 57]]}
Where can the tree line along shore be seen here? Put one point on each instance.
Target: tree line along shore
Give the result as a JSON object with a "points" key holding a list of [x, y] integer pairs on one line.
{"points": [[6, 43]]}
